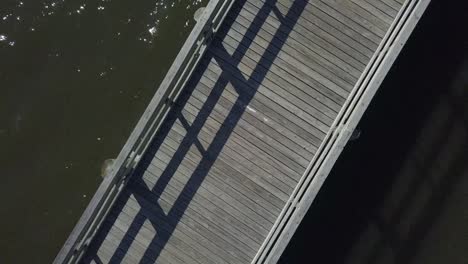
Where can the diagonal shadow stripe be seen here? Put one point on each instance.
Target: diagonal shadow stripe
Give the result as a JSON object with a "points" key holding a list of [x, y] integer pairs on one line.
{"points": [[165, 224]]}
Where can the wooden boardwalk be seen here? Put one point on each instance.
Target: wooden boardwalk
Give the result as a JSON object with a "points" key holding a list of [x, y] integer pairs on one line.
{"points": [[257, 113]]}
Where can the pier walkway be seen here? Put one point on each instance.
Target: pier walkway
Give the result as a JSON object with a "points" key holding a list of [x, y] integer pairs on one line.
{"points": [[242, 132]]}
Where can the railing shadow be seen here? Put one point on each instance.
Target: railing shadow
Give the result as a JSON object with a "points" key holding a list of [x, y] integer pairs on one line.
{"points": [[433, 171], [401, 188], [148, 198]]}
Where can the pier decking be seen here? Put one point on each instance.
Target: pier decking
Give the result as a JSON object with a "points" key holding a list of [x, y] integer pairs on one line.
{"points": [[240, 151]]}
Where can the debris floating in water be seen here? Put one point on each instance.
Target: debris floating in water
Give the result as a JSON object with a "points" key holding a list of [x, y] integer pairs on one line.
{"points": [[100, 8], [11, 43], [98, 139], [3, 38]]}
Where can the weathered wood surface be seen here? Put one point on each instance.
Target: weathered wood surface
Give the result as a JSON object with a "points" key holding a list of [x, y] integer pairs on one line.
{"points": [[242, 133]]}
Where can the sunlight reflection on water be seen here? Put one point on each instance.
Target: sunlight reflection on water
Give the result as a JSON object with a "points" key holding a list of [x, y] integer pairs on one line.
{"points": [[74, 78], [21, 17]]}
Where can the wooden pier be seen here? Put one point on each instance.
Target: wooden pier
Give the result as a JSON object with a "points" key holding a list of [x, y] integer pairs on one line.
{"points": [[243, 131]]}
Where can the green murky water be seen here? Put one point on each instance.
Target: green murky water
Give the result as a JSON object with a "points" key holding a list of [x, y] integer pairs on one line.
{"points": [[75, 76]]}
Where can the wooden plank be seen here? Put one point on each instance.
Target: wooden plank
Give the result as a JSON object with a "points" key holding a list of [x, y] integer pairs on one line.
{"points": [[287, 74], [225, 172], [184, 237], [198, 223], [259, 207], [299, 153], [227, 175], [235, 184], [266, 155], [193, 239], [382, 6], [332, 90], [247, 168], [122, 226], [213, 192], [375, 11], [309, 45], [319, 106], [257, 138], [308, 20], [341, 83], [205, 214], [268, 118], [362, 12], [279, 104], [301, 32], [135, 254], [325, 19], [291, 46], [117, 231], [357, 26], [309, 30], [233, 216], [255, 131], [236, 141], [393, 4], [174, 251], [344, 8], [236, 152], [270, 115]]}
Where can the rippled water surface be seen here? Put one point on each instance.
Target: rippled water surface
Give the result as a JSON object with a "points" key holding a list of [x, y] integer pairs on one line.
{"points": [[75, 77]]}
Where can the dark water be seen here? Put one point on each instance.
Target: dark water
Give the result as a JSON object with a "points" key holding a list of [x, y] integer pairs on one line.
{"points": [[399, 194], [75, 77]]}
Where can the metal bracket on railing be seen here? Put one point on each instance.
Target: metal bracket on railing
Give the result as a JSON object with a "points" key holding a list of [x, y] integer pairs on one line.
{"points": [[129, 161], [132, 160], [135, 161]]}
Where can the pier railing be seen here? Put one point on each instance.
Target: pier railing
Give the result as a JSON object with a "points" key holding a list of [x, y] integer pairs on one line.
{"points": [[343, 126], [148, 125]]}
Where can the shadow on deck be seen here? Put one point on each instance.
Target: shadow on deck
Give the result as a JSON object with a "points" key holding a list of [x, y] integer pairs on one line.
{"points": [[148, 198]]}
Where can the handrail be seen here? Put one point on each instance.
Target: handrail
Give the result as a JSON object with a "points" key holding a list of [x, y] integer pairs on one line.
{"points": [[148, 125], [340, 131]]}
